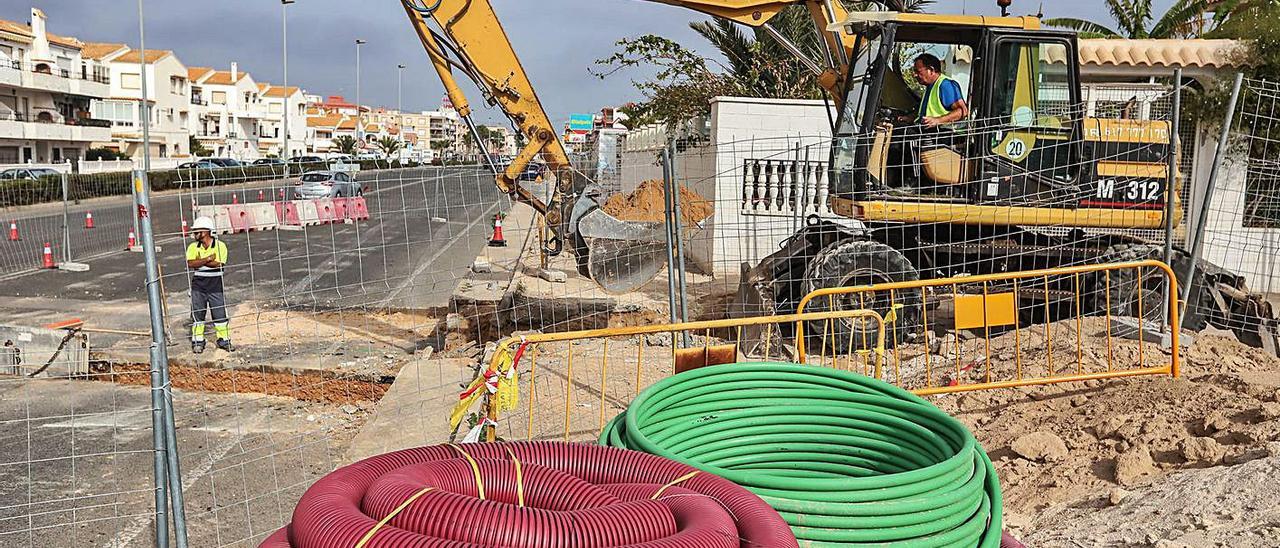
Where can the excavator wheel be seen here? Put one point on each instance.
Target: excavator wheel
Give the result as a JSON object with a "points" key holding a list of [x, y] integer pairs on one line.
{"points": [[853, 263], [1124, 295]]}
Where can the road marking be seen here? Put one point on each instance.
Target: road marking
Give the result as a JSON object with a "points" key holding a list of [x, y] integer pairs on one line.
{"points": [[142, 524], [424, 265]]}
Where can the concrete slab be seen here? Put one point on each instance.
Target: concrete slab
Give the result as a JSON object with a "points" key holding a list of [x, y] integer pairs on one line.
{"points": [[415, 411]]}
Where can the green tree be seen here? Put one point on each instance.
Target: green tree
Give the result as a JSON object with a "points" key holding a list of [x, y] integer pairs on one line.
{"points": [[389, 145], [346, 144], [1137, 19], [755, 65], [195, 147]]}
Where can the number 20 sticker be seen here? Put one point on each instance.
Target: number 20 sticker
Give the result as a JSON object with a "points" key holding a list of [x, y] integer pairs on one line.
{"points": [[1015, 149]]}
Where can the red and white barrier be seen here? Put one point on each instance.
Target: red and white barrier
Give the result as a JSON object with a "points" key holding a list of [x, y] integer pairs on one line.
{"points": [[325, 210], [359, 209], [287, 213], [241, 218], [264, 216]]}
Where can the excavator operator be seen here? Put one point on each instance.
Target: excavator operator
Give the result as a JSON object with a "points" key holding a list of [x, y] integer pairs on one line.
{"points": [[943, 101]]}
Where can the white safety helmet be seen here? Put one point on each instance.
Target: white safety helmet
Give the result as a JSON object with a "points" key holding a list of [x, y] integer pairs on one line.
{"points": [[203, 223]]}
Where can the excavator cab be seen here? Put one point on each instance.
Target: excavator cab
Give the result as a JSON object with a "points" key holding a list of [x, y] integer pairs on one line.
{"points": [[1022, 143]]}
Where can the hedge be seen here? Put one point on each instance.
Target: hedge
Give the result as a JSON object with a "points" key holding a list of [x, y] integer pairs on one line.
{"points": [[82, 186]]}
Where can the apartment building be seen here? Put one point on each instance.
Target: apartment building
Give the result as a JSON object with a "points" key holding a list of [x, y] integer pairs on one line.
{"points": [[227, 110], [168, 100], [46, 91], [279, 102]]}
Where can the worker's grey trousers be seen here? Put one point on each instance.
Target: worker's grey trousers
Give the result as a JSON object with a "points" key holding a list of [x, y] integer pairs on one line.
{"points": [[206, 294]]}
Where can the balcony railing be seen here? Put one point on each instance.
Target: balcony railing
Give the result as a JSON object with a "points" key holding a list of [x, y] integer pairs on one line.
{"points": [[47, 116], [55, 70]]}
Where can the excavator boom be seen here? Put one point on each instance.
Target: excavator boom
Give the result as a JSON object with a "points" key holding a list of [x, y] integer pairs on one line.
{"points": [[466, 37]]}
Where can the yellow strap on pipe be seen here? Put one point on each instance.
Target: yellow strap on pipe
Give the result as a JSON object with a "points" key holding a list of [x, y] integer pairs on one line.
{"points": [[475, 468], [367, 536], [519, 477], [673, 483]]}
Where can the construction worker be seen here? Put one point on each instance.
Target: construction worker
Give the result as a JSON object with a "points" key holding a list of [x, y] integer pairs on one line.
{"points": [[943, 101], [206, 257]]}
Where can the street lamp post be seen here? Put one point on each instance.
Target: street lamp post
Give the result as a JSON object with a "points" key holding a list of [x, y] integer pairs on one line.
{"points": [[284, 49], [359, 111], [400, 104]]}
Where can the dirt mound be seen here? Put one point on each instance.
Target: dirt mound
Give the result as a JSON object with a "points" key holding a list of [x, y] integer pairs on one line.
{"points": [[647, 204], [1124, 437]]}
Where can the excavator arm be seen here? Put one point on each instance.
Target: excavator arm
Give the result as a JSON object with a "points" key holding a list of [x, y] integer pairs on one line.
{"points": [[466, 37]]}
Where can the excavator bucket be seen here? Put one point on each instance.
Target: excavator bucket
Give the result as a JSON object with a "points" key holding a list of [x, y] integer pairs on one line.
{"points": [[623, 255]]}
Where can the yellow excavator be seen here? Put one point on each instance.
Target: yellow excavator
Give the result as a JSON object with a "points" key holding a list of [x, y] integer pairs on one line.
{"points": [[1028, 181]]}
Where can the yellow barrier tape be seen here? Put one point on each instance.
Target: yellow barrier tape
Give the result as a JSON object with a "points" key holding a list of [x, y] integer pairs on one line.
{"points": [[499, 379], [475, 468], [674, 483], [367, 536]]}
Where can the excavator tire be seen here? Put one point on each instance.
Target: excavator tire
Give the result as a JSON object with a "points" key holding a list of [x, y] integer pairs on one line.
{"points": [[861, 262], [1121, 293]]}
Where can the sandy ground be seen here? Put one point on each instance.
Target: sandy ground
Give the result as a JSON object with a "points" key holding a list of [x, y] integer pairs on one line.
{"points": [[1152, 461]]}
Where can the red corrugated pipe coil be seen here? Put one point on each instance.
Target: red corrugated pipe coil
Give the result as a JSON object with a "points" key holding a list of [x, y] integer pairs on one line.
{"points": [[528, 494]]}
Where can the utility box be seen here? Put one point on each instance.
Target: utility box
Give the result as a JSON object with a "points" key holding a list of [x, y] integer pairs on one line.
{"points": [[43, 352]]}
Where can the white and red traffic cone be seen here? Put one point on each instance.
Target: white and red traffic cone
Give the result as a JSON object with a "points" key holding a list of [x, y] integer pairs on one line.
{"points": [[13, 231], [88, 219], [48, 256], [133, 240], [261, 197], [184, 228], [235, 199], [282, 194], [497, 240]]}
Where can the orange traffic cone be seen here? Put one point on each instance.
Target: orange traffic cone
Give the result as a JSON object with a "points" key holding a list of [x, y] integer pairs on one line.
{"points": [[88, 219], [13, 231], [133, 240], [497, 240], [48, 256]]}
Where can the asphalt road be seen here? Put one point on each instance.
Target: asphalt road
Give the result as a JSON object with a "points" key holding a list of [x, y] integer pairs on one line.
{"points": [[76, 466], [426, 227]]}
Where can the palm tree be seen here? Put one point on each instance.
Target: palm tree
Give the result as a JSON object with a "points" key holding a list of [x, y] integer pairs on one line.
{"points": [[762, 66], [1185, 19], [389, 145], [346, 144]]}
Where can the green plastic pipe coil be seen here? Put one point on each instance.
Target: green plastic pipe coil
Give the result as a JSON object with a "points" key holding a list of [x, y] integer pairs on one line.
{"points": [[845, 459]]}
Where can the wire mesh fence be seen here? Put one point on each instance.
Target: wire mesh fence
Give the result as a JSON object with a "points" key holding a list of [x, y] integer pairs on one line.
{"points": [[360, 305]]}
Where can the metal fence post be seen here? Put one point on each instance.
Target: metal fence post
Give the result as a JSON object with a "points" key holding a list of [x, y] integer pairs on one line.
{"points": [[165, 436], [671, 240], [1202, 217], [158, 445], [1171, 189], [66, 222], [673, 199]]}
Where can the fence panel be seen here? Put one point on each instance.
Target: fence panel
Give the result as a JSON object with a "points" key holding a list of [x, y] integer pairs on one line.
{"points": [[1018, 328]]}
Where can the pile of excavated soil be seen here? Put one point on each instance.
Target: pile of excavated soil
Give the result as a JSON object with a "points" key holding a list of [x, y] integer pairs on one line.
{"points": [[648, 204], [1140, 461]]}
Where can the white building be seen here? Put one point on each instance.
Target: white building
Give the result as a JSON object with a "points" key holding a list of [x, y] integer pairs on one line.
{"points": [[227, 109], [168, 94], [46, 88], [278, 102]]}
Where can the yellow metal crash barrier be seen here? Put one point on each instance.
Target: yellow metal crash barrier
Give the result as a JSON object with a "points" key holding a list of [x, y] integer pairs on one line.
{"points": [[575, 381], [1014, 329]]}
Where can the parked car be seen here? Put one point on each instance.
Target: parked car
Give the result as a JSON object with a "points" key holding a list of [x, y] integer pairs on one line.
{"points": [[268, 162], [341, 159], [306, 160], [531, 172], [200, 164], [27, 173], [226, 162], [326, 184]]}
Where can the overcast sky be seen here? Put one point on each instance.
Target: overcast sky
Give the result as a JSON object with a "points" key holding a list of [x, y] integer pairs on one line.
{"points": [[557, 39]]}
